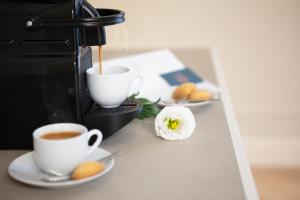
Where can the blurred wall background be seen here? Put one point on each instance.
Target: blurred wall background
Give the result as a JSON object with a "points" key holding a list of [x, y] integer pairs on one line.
{"points": [[258, 43]]}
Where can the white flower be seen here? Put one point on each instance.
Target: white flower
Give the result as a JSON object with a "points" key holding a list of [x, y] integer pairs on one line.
{"points": [[175, 123]]}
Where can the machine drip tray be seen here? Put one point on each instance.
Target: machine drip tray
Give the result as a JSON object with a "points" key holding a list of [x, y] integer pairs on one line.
{"points": [[127, 106], [110, 120]]}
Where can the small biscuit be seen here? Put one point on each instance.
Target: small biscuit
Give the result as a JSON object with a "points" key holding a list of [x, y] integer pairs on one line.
{"points": [[87, 169], [183, 91], [199, 95]]}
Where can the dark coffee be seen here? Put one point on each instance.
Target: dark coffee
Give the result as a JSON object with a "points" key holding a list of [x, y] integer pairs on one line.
{"points": [[60, 135]]}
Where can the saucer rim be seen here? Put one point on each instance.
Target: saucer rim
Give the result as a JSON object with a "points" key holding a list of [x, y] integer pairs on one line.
{"points": [[216, 94], [63, 184]]}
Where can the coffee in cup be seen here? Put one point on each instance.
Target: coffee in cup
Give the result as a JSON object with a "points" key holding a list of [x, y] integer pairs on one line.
{"points": [[59, 148], [60, 135]]}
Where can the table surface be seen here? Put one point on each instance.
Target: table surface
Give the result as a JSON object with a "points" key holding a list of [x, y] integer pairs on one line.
{"points": [[206, 166]]}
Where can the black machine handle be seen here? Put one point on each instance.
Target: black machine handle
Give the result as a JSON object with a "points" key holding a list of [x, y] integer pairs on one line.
{"points": [[107, 17]]}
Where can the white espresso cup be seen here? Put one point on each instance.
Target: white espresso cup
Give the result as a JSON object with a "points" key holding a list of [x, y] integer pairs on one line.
{"points": [[113, 86], [61, 156]]}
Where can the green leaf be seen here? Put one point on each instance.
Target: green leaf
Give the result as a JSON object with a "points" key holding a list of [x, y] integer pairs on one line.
{"points": [[149, 109]]}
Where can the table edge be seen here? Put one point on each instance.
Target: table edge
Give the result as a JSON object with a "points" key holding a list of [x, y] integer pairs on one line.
{"points": [[242, 160]]}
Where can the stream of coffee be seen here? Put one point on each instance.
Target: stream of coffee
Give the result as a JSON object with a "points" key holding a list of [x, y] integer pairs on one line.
{"points": [[100, 59]]}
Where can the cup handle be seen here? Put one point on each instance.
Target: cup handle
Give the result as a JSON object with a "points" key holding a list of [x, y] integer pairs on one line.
{"points": [[97, 142], [136, 90]]}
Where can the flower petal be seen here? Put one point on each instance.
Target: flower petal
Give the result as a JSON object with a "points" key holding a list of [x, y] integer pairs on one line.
{"points": [[175, 113]]}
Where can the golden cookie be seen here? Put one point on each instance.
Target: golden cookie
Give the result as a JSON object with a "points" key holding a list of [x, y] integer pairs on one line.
{"points": [[87, 169], [199, 95], [183, 91]]}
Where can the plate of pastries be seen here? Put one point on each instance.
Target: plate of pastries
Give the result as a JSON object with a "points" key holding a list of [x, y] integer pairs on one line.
{"points": [[189, 94]]}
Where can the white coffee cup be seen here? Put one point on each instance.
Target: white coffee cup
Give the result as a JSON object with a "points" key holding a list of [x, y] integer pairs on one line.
{"points": [[61, 156], [113, 86]]}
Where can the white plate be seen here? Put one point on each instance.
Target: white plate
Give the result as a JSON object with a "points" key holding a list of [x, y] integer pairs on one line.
{"points": [[24, 170], [166, 95]]}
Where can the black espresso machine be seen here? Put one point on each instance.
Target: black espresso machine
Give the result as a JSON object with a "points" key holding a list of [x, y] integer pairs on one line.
{"points": [[44, 53]]}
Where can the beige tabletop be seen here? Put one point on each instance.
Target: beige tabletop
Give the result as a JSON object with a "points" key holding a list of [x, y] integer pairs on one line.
{"points": [[206, 166]]}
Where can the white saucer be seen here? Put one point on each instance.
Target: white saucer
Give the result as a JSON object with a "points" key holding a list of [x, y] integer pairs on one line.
{"points": [[24, 170], [165, 93], [167, 100]]}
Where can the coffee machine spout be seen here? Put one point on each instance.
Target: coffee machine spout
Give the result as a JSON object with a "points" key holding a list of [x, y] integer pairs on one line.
{"points": [[88, 34]]}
